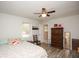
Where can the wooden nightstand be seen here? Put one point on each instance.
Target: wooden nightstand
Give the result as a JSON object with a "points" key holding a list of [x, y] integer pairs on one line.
{"points": [[30, 41], [35, 42]]}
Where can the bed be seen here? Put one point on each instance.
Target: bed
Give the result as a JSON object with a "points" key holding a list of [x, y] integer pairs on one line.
{"points": [[22, 50]]}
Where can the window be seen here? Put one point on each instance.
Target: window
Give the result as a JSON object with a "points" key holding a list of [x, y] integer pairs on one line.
{"points": [[25, 30]]}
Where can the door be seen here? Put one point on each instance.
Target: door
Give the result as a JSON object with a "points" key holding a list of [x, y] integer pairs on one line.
{"points": [[46, 33]]}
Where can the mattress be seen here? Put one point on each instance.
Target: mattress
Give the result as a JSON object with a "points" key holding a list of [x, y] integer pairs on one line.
{"points": [[22, 50]]}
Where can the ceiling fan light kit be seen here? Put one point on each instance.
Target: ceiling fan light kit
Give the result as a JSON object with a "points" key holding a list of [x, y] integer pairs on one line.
{"points": [[44, 15]]}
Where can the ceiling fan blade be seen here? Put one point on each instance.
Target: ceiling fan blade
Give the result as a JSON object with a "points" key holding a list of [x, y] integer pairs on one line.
{"points": [[48, 15], [37, 13], [40, 16], [51, 11]]}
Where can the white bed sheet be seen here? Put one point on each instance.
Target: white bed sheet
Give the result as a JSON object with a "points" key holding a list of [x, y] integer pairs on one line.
{"points": [[22, 50]]}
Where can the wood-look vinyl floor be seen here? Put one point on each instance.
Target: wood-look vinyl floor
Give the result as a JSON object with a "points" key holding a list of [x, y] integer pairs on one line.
{"points": [[59, 53]]}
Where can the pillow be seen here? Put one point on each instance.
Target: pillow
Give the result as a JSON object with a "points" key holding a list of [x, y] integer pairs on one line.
{"points": [[14, 41], [3, 41]]}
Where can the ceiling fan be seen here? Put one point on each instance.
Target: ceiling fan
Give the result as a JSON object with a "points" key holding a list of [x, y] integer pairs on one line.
{"points": [[45, 13]]}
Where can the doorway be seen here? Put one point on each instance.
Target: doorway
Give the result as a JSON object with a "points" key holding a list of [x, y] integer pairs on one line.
{"points": [[45, 30]]}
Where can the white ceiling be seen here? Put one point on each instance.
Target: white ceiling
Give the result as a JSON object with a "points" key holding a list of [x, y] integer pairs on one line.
{"points": [[28, 8]]}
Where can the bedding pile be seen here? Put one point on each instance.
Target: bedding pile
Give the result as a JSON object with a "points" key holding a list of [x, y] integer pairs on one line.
{"points": [[22, 50]]}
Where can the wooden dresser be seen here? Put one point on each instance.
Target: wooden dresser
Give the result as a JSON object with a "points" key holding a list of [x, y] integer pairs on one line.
{"points": [[57, 37], [75, 44]]}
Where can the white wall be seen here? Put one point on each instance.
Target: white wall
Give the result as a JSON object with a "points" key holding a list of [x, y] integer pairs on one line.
{"points": [[10, 26], [70, 24]]}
